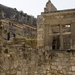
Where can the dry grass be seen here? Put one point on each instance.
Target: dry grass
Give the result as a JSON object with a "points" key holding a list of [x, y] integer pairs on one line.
{"points": [[28, 41]]}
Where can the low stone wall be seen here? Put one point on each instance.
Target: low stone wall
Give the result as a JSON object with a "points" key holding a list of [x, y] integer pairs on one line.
{"points": [[21, 60]]}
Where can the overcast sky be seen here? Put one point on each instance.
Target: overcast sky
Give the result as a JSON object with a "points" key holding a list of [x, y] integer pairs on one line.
{"points": [[35, 7]]}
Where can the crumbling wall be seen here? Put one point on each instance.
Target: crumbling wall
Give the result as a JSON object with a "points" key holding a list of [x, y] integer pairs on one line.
{"points": [[24, 60]]}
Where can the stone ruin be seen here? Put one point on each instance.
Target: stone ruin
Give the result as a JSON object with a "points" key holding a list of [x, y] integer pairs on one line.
{"points": [[21, 59], [56, 28], [18, 58]]}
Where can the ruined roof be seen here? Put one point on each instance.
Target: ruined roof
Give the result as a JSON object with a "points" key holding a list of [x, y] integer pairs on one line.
{"points": [[58, 11]]}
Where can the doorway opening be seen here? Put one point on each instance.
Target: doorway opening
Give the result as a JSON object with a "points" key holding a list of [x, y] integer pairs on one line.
{"points": [[56, 42]]}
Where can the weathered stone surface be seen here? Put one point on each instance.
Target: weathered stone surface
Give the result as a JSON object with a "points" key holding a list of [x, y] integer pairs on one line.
{"points": [[73, 68], [36, 63], [17, 58], [18, 72]]}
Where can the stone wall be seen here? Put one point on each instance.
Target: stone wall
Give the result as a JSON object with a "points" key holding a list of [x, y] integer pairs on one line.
{"points": [[24, 60]]}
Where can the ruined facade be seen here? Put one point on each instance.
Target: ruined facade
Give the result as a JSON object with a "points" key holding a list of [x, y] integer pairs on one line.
{"points": [[20, 59], [56, 29]]}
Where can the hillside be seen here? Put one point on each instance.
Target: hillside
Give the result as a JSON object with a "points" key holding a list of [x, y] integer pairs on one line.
{"points": [[8, 11], [14, 14]]}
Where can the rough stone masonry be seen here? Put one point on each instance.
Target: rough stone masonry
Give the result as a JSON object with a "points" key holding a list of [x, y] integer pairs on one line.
{"points": [[22, 60], [17, 58]]}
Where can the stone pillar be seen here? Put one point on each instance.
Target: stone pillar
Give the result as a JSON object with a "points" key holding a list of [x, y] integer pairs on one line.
{"points": [[46, 36], [61, 37], [40, 32], [61, 42], [71, 43], [73, 34], [50, 37]]}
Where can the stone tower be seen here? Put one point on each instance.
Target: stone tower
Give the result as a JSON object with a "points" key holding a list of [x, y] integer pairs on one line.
{"points": [[49, 7]]}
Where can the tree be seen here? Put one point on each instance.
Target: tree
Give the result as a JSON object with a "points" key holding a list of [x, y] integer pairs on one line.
{"points": [[25, 14], [21, 13], [15, 9]]}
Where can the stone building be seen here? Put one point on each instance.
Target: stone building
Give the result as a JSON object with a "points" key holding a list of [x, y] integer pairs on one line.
{"points": [[56, 28]]}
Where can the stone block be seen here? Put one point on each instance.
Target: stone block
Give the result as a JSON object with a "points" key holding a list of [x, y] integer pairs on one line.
{"points": [[15, 64], [53, 67], [49, 74], [2, 73], [59, 67], [18, 72], [73, 68]]}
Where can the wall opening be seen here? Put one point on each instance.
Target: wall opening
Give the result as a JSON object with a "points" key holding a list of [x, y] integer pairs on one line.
{"points": [[67, 41], [8, 36], [56, 42], [66, 28]]}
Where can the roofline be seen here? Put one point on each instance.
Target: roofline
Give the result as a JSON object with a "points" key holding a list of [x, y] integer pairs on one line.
{"points": [[58, 11]]}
